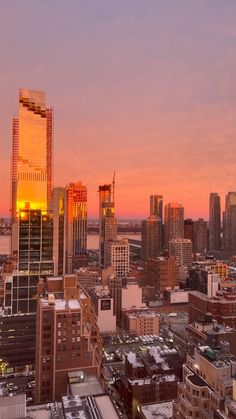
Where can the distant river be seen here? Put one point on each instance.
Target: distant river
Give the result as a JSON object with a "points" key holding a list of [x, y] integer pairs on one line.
{"points": [[93, 241]]}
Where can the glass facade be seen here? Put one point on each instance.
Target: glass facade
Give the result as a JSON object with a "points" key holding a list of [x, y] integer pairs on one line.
{"points": [[107, 220], [32, 153], [34, 258], [76, 217]]}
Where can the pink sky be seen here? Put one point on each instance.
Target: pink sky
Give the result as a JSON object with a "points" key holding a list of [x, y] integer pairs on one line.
{"points": [[144, 88]]}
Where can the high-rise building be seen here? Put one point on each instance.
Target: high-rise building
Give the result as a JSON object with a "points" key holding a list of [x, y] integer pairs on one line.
{"points": [[183, 249], [58, 210], [174, 222], [189, 229], [163, 273], [151, 237], [200, 236], [32, 153], [116, 255], [214, 222], [156, 206], [32, 224], [68, 339], [35, 260], [229, 231], [76, 223], [107, 220]]}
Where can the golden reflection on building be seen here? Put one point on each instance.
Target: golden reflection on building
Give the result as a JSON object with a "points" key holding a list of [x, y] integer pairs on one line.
{"points": [[32, 153]]}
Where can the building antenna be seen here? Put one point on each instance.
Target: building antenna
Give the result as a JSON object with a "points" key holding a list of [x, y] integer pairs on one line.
{"points": [[113, 188]]}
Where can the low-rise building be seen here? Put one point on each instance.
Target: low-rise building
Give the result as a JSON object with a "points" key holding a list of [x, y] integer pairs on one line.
{"points": [[208, 378]]}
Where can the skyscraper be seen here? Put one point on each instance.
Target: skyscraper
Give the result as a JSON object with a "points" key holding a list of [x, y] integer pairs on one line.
{"points": [[32, 227], [116, 255], [59, 226], [34, 260], [183, 249], [156, 206], [174, 222], [229, 230], [76, 223], [214, 222], [189, 229], [107, 220], [151, 237], [32, 153], [200, 236]]}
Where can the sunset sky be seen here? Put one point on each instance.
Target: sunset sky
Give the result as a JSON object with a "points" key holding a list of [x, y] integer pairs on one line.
{"points": [[143, 87]]}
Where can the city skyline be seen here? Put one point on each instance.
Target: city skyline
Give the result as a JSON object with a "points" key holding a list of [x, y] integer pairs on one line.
{"points": [[159, 111]]}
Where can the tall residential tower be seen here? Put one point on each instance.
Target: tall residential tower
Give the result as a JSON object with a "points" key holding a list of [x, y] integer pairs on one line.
{"points": [[32, 153], [107, 220], [214, 222]]}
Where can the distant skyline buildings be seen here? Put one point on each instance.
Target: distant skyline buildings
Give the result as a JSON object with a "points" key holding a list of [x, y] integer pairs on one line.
{"points": [[214, 222], [173, 222], [76, 223], [107, 220], [156, 206]]}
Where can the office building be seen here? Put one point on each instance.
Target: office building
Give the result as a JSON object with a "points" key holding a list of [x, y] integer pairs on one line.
{"points": [[141, 322], [163, 273], [103, 305], [214, 222], [32, 226], [189, 229], [156, 206], [174, 222], [183, 250], [67, 336], [116, 255], [32, 153], [200, 244], [88, 277], [229, 230], [34, 254], [151, 237], [76, 224], [17, 337], [107, 220], [58, 210], [204, 279]]}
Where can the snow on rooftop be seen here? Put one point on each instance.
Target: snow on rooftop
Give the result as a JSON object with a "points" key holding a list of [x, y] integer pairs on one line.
{"points": [[132, 358], [158, 410]]}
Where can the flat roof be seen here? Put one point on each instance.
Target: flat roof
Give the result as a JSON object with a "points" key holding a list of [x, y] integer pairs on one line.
{"points": [[162, 410], [91, 386], [106, 407]]}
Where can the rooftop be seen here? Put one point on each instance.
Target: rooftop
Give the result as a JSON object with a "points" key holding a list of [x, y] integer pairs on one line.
{"points": [[91, 385], [62, 304], [158, 410]]}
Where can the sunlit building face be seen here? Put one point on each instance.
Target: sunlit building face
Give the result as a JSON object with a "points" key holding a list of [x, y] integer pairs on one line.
{"points": [[32, 153]]}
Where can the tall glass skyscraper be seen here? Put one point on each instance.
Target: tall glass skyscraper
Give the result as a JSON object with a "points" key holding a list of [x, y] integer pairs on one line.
{"points": [[32, 226], [76, 223], [107, 220], [214, 222], [32, 153]]}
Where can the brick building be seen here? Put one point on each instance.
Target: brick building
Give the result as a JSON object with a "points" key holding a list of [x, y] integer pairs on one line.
{"points": [[67, 338], [222, 307]]}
